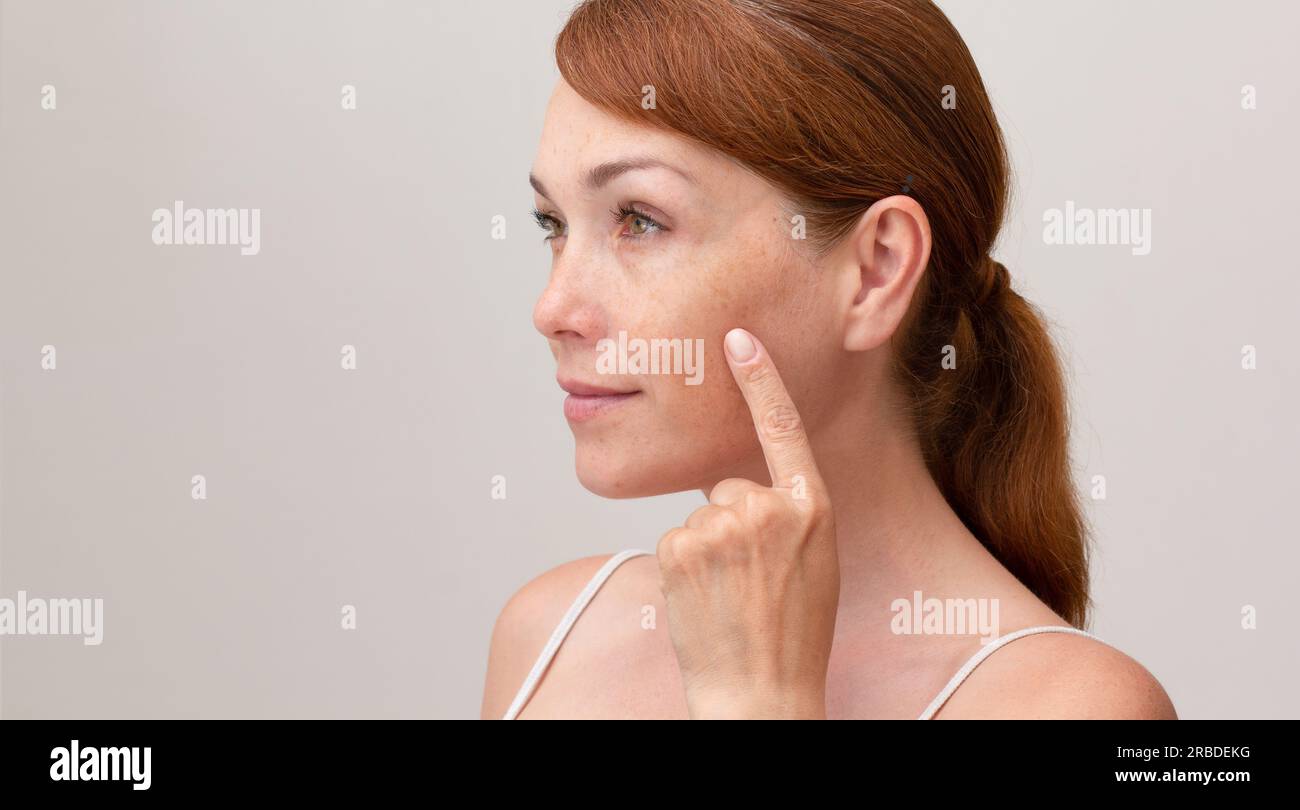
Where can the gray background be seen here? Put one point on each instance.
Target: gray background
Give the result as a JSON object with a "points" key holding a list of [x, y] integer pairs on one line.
{"points": [[372, 487]]}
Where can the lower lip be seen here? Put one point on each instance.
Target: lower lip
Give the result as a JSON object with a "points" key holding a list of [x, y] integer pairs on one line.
{"points": [[581, 408]]}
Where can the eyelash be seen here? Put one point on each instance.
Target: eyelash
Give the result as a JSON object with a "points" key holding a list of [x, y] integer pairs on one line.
{"points": [[544, 221], [622, 212], [619, 214]]}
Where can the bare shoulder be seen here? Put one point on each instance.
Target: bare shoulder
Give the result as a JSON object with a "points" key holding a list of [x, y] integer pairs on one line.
{"points": [[530, 616], [1060, 676]]}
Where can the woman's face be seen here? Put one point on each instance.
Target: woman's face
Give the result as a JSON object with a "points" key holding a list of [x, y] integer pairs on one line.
{"points": [[708, 246]]}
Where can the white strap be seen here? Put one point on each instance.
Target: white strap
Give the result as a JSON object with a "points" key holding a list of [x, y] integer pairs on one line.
{"points": [[566, 624], [988, 650]]}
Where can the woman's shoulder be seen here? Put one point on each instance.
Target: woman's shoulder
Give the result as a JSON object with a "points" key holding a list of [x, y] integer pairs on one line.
{"points": [[538, 606], [532, 613], [1064, 676]]}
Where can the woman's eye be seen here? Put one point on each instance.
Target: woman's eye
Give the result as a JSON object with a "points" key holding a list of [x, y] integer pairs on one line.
{"points": [[638, 223], [553, 227]]}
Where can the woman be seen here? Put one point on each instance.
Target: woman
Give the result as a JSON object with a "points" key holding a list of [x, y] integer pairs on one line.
{"points": [[809, 191]]}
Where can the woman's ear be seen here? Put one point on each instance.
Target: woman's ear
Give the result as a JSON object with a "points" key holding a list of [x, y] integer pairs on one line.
{"points": [[882, 260]]}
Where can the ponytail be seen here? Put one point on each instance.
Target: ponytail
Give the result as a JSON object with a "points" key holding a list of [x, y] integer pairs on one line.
{"points": [[994, 431]]}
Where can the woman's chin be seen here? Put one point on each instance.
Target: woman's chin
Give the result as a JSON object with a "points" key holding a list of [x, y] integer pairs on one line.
{"points": [[610, 477]]}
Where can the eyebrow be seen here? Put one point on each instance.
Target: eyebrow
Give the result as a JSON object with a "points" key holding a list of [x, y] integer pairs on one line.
{"points": [[603, 173]]}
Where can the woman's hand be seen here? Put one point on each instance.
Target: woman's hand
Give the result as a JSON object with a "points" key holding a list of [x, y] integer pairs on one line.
{"points": [[752, 580]]}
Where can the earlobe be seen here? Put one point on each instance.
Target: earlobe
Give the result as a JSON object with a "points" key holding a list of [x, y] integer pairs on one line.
{"points": [[884, 258]]}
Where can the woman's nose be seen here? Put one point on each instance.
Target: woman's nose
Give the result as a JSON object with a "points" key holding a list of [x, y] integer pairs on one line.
{"points": [[567, 310]]}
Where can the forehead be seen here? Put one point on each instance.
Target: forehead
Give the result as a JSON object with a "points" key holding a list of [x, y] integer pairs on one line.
{"points": [[577, 135]]}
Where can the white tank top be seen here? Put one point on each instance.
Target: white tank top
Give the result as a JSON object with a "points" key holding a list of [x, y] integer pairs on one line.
{"points": [[584, 598]]}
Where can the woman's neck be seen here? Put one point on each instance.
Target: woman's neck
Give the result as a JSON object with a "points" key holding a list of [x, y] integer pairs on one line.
{"points": [[896, 533]]}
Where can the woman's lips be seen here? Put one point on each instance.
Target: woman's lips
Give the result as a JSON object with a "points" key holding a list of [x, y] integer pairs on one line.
{"points": [[581, 408], [586, 401]]}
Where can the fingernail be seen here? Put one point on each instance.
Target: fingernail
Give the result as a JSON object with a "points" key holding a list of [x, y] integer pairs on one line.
{"points": [[740, 346]]}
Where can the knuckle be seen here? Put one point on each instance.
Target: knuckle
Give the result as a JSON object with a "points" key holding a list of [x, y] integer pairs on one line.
{"points": [[727, 523], [729, 490], [669, 550], [697, 517], [763, 507], [781, 422], [708, 518]]}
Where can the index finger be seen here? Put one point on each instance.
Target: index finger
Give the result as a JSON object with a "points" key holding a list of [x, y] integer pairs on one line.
{"points": [[780, 430]]}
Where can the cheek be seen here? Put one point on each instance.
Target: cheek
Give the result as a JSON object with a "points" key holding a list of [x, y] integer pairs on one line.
{"points": [[760, 290]]}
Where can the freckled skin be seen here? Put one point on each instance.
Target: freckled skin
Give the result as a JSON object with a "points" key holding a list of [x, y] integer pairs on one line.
{"points": [[729, 260]]}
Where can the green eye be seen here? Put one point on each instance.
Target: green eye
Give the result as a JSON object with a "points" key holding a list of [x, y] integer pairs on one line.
{"points": [[647, 225]]}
